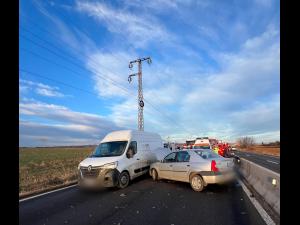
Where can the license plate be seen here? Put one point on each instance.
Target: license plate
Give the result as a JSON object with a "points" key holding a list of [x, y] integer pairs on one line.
{"points": [[89, 182]]}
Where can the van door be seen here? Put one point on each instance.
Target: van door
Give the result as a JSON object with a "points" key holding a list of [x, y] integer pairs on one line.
{"points": [[146, 158], [133, 161]]}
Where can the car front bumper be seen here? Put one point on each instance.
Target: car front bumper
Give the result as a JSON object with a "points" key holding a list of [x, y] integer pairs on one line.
{"points": [[105, 178]]}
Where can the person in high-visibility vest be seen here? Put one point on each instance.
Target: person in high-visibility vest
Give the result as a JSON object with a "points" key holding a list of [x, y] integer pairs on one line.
{"points": [[216, 149]]}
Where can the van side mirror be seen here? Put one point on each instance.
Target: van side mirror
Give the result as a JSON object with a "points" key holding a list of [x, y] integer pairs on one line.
{"points": [[129, 153]]}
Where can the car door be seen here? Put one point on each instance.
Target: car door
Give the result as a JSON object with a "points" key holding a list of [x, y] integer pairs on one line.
{"points": [[181, 167], [165, 169]]}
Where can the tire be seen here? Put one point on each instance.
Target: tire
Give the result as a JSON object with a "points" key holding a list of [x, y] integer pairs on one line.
{"points": [[123, 180], [154, 174], [197, 183]]}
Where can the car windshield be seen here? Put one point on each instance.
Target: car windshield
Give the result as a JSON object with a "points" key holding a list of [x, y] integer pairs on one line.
{"points": [[207, 154], [107, 149]]}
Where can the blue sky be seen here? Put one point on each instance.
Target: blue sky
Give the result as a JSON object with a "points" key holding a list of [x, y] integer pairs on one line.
{"points": [[215, 69]]}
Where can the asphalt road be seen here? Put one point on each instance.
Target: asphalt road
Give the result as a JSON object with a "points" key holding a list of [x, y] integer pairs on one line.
{"points": [[270, 162], [144, 202]]}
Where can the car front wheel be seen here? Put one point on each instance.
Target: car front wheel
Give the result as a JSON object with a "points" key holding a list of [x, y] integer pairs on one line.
{"points": [[154, 174], [197, 183]]}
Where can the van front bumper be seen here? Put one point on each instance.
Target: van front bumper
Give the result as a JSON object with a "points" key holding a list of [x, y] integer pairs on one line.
{"points": [[210, 177], [105, 178]]}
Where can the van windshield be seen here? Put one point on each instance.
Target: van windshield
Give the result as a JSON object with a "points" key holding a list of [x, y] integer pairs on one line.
{"points": [[107, 149]]}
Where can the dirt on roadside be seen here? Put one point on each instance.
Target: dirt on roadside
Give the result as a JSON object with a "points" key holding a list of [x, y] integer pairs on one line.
{"points": [[262, 149]]}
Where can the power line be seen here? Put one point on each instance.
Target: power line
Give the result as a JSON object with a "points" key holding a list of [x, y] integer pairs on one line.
{"points": [[74, 49], [105, 78], [59, 55], [27, 72], [91, 93], [56, 81], [73, 71], [63, 57], [91, 59]]}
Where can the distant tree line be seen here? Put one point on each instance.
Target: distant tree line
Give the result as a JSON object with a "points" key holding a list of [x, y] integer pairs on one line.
{"points": [[275, 143], [245, 142]]}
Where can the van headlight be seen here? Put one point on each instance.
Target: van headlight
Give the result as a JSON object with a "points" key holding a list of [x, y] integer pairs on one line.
{"points": [[112, 165]]}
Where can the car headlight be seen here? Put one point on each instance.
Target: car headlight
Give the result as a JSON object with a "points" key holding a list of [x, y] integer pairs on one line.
{"points": [[112, 165]]}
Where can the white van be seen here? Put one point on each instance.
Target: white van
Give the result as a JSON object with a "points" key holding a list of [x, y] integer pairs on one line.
{"points": [[120, 157]]}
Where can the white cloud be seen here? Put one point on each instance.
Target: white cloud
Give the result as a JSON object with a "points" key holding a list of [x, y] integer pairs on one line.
{"points": [[109, 71], [221, 104], [39, 88], [138, 29], [49, 124], [62, 114], [265, 3], [218, 103]]}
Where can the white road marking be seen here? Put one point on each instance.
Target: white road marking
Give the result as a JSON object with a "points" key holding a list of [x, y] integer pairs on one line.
{"points": [[272, 161], [258, 207], [35, 196]]}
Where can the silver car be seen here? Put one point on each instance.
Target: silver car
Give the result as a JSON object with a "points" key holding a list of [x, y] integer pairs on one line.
{"points": [[198, 167]]}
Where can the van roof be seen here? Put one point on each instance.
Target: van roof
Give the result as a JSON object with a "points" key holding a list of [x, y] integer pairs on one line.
{"points": [[127, 134]]}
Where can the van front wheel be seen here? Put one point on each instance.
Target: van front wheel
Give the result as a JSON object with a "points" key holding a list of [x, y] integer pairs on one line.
{"points": [[123, 180]]}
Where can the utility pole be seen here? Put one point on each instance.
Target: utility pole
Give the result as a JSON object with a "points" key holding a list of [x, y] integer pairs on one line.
{"points": [[140, 89]]}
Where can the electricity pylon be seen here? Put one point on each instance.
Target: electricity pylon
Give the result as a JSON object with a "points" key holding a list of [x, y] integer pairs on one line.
{"points": [[140, 89]]}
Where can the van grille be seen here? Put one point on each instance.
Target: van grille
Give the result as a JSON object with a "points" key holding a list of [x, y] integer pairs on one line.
{"points": [[89, 174]]}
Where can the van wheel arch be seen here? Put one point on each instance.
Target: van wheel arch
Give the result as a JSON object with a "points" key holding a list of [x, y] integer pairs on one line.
{"points": [[125, 174]]}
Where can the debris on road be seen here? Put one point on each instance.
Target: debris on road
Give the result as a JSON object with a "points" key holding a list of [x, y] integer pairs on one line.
{"points": [[122, 195]]}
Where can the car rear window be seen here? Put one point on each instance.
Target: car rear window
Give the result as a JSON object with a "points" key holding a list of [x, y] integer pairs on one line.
{"points": [[207, 154]]}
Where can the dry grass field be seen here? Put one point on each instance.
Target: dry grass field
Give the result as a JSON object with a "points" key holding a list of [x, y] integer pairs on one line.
{"points": [[41, 168], [260, 149]]}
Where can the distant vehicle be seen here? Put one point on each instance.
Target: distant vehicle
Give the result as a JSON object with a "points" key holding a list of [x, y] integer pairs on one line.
{"points": [[120, 157], [197, 167], [189, 144], [202, 142]]}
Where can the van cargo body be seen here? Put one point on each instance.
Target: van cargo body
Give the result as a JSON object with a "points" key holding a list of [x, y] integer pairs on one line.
{"points": [[120, 157]]}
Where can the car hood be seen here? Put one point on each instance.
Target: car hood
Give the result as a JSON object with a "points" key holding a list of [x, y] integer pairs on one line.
{"points": [[98, 161]]}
